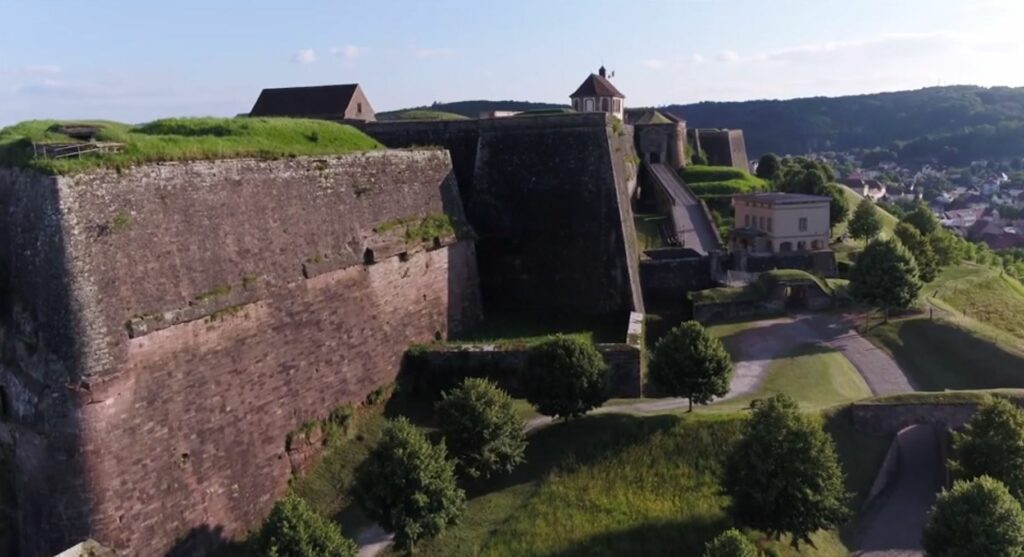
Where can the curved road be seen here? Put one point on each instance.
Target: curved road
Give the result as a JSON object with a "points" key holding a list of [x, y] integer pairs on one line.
{"points": [[693, 227]]}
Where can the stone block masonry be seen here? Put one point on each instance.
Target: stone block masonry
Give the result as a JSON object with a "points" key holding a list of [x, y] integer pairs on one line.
{"points": [[165, 327]]}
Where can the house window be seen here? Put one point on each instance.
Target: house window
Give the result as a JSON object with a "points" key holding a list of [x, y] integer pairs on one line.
{"points": [[588, 105], [786, 247], [801, 246], [803, 224], [359, 108], [604, 104], [746, 221], [769, 224], [760, 223], [618, 106], [576, 105]]}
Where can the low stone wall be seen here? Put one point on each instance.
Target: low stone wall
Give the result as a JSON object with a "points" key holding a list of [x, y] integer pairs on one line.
{"points": [[820, 262], [707, 313], [666, 282], [891, 418]]}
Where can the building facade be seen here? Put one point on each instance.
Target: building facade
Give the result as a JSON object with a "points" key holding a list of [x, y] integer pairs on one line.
{"points": [[780, 223], [597, 94]]}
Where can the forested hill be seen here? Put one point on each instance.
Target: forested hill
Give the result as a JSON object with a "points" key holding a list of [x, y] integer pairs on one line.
{"points": [[966, 121]]}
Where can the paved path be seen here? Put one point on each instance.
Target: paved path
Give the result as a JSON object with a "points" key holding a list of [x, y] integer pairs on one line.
{"points": [[892, 525], [693, 227], [880, 371]]}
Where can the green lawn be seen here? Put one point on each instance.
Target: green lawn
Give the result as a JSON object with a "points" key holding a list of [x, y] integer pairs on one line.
{"points": [[177, 139], [718, 180], [982, 293], [939, 355], [611, 485], [817, 377], [420, 114]]}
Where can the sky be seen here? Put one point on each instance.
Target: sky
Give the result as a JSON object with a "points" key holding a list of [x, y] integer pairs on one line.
{"points": [[137, 60]]}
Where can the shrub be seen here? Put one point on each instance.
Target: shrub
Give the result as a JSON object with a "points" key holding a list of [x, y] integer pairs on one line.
{"points": [[293, 529], [921, 249], [480, 425], [922, 219], [690, 362], [407, 485], [783, 475], [976, 517], [730, 543], [866, 222], [992, 444], [565, 377]]}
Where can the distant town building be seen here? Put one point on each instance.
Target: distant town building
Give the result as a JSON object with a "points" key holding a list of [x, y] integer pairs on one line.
{"points": [[498, 113], [340, 103], [780, 223], [597, 94]]}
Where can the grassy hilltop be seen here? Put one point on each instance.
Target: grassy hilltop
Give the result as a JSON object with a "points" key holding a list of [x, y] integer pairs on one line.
{"points": [[178, 139]]}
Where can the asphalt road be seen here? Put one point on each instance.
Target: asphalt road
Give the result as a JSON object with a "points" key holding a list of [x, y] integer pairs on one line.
{"points": [[693, 228]]}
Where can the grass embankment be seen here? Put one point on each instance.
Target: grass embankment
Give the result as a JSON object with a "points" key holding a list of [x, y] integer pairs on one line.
{"points": [[982, 293], [406, 115], [940, 354], [648, 230], [180, 139], [718, 180], [853, 198], [816, 376], [511, 326]]}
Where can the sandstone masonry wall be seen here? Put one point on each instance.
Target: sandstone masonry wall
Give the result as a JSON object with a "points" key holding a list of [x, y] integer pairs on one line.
{"points": [[215, 306]]}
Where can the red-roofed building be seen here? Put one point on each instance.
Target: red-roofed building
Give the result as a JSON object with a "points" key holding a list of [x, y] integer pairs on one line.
{"points": [[597, 94]]}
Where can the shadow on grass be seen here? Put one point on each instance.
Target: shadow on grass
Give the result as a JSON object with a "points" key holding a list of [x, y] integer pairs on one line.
{"points": [[938, 355], [684, 538]]}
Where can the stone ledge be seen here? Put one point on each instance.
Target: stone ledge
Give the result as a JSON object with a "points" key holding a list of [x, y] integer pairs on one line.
{"points": [[203, 306]]}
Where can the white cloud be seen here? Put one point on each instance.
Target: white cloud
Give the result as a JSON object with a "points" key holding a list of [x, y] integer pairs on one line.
{"points": [[697, 59], [350, 52], [304, 56], [40, 69], [434, 52], [728, 56], [653, 64]]}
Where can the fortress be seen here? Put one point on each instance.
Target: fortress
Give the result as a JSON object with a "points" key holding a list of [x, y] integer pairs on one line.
{"points": [[164, 327]]}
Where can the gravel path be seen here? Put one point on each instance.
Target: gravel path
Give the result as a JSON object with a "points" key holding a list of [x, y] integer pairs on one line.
{"points": [[892, 526], [880, 371]]}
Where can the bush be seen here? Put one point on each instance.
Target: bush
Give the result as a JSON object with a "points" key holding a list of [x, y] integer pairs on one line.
{"points": [[866, 222], [730, 543], [783, 475], [977, 517], [565, 377], [407, 485], [690, 362], [293, 529], [480, 425], [992, 444], [921, 249]]}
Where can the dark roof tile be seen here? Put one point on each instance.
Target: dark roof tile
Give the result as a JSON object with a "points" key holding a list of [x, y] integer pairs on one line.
{"points": [[597, 86], [325, 100]]}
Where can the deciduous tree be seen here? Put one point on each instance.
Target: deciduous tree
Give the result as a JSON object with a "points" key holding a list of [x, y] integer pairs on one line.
{"points": [[921, 249], [885, 275], [992, 444], [407, 485], [731, 543], [866, 222], [783, 474], [922, 219], [976, 517], [768, 166], [480, 426], [293, 529], [689, 362], [565, 377]]}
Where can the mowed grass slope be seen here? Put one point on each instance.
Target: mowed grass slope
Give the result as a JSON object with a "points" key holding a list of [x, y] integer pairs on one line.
{"points": [[180, 139], [940, 354], [982, 293], [718, 180], [611, 485]]}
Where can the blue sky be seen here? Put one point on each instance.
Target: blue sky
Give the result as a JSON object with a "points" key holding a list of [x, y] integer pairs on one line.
{"points": [[142, 59]]}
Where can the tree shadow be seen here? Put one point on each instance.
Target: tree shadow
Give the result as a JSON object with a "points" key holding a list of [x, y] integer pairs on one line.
{"points": [[684, 538], [208, 541]]}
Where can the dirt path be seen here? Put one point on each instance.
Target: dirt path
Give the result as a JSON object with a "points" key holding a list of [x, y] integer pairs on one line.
{"points": [[880, 371], [891, 526]]}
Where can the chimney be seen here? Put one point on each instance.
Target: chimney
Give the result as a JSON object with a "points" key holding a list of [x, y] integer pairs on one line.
{"points": [[601, 72]]}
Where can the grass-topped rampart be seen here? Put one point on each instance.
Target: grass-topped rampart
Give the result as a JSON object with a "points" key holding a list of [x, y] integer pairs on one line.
{"points": [[408, 115], [720, 180], [181, 139], [760, 289]]}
